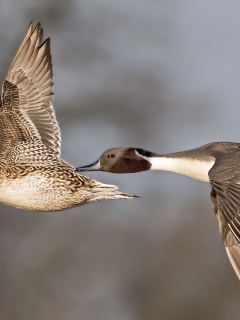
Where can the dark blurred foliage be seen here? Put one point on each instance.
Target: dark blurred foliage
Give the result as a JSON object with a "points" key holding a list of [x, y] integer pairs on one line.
{"points": [[159, 75]]}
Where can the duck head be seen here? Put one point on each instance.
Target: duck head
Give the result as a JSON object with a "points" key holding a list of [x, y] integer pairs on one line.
{"points": [[121, 160]]}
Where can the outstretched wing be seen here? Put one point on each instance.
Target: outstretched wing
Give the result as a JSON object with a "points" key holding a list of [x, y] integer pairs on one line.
{"points": [[26, 111], [225, 180]]}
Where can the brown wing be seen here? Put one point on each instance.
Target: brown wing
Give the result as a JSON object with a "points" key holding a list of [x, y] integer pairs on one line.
{"points": [[26, 111], [231, 243]]}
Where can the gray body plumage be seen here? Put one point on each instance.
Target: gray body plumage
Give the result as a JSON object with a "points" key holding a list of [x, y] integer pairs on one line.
{"points": [[32, 174], [217, 163]]}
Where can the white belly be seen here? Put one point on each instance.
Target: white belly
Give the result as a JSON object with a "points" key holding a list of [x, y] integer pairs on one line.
{"points": [[32, 192]]}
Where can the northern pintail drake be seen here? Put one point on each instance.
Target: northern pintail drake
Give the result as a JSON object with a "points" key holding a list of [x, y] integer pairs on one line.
{"points": [[32, 174], [217, 163]]}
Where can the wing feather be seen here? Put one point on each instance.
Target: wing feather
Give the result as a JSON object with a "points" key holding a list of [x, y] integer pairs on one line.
{"points": [[231, 243], [26, 111]]}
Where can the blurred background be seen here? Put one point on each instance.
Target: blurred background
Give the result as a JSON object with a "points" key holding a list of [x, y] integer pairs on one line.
{"points": [[159, 75]]}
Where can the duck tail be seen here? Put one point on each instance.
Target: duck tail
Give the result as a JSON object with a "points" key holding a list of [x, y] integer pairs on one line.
{"points": [[103, 191]]}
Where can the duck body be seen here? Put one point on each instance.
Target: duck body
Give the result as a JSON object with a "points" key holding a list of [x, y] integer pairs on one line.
{"points": [[50, 188], [217, 163], [32, 174]]}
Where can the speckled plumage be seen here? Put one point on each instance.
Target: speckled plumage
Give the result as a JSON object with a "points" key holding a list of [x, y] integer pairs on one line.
{"points": [[32, 174]]}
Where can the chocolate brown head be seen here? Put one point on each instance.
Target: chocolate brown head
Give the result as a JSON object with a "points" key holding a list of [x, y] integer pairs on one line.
{"points": [[120, 160]]}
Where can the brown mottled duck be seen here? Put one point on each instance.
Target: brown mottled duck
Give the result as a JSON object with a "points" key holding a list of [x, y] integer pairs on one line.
{"points": [[32, 174]]}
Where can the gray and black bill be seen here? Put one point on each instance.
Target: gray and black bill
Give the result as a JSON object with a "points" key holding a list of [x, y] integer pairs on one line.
{"points": [[91, 167]]}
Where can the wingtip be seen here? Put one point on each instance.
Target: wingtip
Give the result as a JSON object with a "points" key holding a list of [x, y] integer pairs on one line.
{"points": [[36, 30], [30, 29], [30, 24], [46, 43]]}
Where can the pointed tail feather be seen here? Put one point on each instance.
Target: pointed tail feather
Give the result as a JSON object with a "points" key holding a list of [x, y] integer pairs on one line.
{"points": [[103, 191], [100, 196], [104, 187]]}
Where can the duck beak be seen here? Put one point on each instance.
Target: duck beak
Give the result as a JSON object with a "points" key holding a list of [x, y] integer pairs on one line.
{"points": [[96, 166]]}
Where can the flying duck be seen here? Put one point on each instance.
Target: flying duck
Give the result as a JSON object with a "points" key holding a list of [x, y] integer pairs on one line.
{"points": [[217, 163], [32, 174]]}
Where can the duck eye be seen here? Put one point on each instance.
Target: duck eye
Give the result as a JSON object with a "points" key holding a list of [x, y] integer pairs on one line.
{"points": [[112, 155]]}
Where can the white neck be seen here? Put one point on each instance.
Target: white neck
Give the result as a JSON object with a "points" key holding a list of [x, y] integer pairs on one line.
{"points": [[194, 168]]}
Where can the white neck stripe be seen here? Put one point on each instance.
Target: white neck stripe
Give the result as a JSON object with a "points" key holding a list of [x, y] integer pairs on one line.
{"points": [[194, 168], [141, 156]]}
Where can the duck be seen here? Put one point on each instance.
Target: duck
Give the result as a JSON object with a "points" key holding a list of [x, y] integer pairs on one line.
{"points": [[217, 163], [32, 174]]}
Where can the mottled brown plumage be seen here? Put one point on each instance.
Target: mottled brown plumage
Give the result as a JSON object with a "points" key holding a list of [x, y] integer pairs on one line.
{"points": [[32, 174]]}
